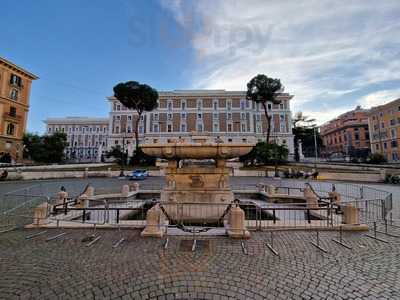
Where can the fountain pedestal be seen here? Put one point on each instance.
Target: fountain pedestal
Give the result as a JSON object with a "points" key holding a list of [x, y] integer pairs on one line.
{"points": [[196, 193]]}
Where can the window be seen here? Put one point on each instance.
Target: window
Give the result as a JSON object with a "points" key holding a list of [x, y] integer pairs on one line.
{"points": [[243, 116], [242, 104], [183, 115], [199, 104], [169, 105], [10, 129], [280, 105], [169, 127], [258, 128], [215, 116], [269, 106], [129, 118], [394, 144], [199, 116], [183, 127], [118, 118], [392, 122], [243, 127], [393, 133], [118, 107], [377, 146], [258, 117], [116, 129], [155, 116], [382, 125], [199, 127], [16, 80], [229, 140], [129, 129], [229, 104], [229, 127], [384, 145], [215, 127], [156, 128], [49, 130], [229, 116], [356, 137], [13, 111], [116, 142], [14, 94], [169, 116], [183, 104], [215, 104]]}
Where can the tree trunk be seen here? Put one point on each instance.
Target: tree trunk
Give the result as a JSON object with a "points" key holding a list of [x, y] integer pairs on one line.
{"points": [[137, 133], [268, 117]]}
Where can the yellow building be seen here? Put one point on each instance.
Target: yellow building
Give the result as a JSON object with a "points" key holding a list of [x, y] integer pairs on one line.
{"points": [[384, 128], [15, 88]]}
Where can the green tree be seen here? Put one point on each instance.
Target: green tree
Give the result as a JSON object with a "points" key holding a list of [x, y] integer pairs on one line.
{"points": [[139, 97], [46, 148], [263, 89], [119, 155]]}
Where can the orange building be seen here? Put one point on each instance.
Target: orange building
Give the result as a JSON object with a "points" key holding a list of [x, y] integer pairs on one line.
{"points": [[347, 135], [384, 124], [15, 88]]}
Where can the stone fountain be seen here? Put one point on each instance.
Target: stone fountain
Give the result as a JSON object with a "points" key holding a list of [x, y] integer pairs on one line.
{"points": [[194, 193]]}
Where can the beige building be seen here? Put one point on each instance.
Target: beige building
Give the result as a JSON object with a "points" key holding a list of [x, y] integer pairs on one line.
{"points": [[86, 137], [15, 88], [219, 114], [384, 127]]}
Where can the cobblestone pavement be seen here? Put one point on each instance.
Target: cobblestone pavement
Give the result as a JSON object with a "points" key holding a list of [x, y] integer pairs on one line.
{"points": [[66, 268]]}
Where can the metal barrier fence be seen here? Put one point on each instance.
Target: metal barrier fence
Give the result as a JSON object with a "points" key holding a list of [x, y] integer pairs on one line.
{"points": [[16, 208]]}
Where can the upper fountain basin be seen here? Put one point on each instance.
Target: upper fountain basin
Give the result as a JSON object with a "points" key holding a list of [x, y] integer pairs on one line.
{"points": [[197, 150]]}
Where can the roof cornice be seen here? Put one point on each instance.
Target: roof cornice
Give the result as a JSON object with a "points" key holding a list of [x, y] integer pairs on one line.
{"points": [[20, 70]]}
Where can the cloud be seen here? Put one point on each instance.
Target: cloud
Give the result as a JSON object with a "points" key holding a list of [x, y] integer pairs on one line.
{"points": [[379, 98], [320, 49], [324, 115]]}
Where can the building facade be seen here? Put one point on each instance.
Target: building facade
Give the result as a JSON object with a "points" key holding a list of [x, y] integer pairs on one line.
{"points": [[347, 135], [384, 124], [86, 137], [15, 88], [218, 114]]}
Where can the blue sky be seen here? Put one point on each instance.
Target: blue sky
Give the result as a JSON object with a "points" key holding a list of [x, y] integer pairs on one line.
{"points": [[332, 55]]}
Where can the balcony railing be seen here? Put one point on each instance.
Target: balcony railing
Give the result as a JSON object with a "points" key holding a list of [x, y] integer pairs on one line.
{"points": [[8, 115]]}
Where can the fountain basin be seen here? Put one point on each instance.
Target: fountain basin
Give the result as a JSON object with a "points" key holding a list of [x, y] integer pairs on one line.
{"points": [[197, 150]]}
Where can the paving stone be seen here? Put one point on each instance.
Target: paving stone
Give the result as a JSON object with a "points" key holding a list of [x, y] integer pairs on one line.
{"points": [[142, 269]]}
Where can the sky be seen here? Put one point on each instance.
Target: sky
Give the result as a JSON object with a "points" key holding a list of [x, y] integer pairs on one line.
{"points": [[331, 55]]}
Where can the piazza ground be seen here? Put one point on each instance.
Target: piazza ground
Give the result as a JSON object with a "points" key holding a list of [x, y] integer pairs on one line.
{"points": [[140, 268]]}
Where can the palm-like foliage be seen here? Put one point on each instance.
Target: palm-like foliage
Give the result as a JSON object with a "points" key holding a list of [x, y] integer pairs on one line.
{"points": [[263, 89]]}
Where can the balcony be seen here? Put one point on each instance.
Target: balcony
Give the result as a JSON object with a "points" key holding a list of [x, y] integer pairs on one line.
{"points": [[14, 117]]}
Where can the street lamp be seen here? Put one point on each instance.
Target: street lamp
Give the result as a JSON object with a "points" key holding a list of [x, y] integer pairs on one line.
{"points": [[315, 148]]}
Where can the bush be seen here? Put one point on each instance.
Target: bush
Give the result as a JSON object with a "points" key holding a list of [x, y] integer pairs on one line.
{"points": [[376, 158], [264, 153], [393, 179], [140, 158]]}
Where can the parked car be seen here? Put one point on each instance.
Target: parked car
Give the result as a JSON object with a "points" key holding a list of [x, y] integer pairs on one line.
{"points": [[138, 175]]}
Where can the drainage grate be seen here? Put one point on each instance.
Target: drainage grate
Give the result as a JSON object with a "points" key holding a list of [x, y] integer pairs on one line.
{"points": [[201, 246]]}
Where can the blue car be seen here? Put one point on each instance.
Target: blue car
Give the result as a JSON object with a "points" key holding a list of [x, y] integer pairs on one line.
{"points": [[138, 175]]}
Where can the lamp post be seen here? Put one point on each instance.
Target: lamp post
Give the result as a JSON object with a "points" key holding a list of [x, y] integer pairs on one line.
{"points": [[121, 173], [315, 149]]}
